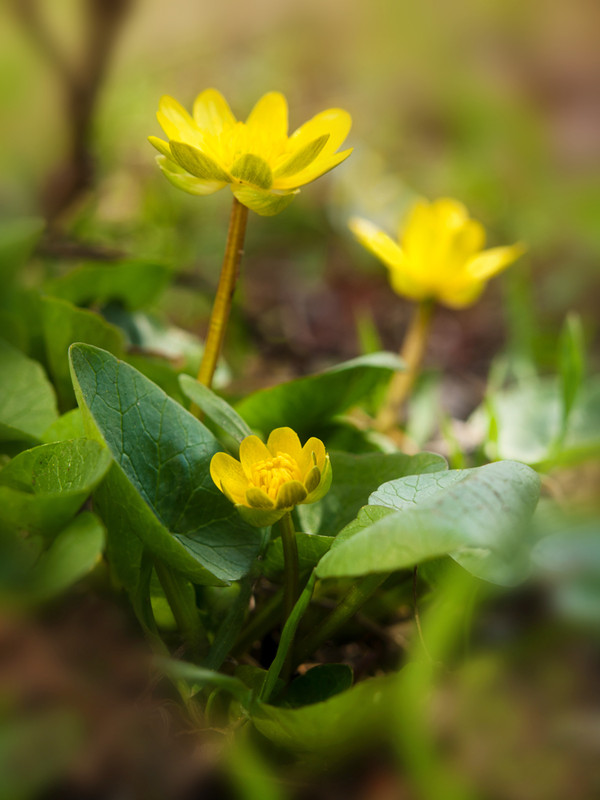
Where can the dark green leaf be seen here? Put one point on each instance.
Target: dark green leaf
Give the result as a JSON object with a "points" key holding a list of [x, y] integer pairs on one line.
{"points": [[160, 487], [354, 478], [217, 409], [307, 403], [318, 684], [136, 284], [310, 549]]}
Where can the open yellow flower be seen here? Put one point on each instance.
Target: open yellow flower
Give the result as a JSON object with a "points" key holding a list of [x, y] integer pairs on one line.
{"points": [[270, 479], [440, 254], [262, 164]]}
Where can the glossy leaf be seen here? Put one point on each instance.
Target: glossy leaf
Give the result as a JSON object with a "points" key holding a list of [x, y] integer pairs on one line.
{"points": [[476, 515], [215, 408], [160, 487], [307, 403], [354, 478]]}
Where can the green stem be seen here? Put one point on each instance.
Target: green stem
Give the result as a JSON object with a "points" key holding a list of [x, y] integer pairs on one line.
{"points": [[223, 299], [412, 352], [183, 608], [291, 570], [358, 595]]}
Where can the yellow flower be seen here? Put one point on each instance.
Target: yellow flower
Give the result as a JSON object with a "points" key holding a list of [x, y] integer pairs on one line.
{"points": [[440, 255], [262, 164], [269, 480]]}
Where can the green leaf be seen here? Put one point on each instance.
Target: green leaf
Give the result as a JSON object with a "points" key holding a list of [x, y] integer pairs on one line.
{"points": [[572, 365], [64, 324], [199, 677], [529, 419], [135, 284], [305, 404], [27, 400], [160, 487], [317, 684], [310, 549], [335, 727], [75, 552], [43, 488], [354, 478], [217, 409], [477, 516], [68, 426], [18, 239], [230, 627]]}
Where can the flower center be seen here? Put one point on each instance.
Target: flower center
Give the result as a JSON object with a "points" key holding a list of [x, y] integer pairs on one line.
{"points": [[270, 474]]}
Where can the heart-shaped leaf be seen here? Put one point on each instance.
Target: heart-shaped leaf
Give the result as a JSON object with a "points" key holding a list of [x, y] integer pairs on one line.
{"points": [[354, 478], [307, 403], [160, 486], [476, 515]]}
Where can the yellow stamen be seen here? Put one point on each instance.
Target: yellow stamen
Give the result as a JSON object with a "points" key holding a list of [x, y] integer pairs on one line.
{"points": [[270, 474]]}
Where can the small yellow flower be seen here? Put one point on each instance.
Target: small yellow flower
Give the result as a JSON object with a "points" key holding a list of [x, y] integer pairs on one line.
{"points": [[269, 480], [262, 164], [440, 255]]}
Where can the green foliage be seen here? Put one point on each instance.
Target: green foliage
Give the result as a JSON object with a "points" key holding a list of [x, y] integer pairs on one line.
{"points": [[312, 401], [476, 515], [43, 488], [64, 324], [355, 477], [159, 486], [134, 283], [27, 400]]}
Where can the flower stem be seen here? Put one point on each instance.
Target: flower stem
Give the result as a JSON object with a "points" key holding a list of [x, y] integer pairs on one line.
{"points": [[183, 607], [412, 352], [222, 305], [358, 595], [290, 563]]}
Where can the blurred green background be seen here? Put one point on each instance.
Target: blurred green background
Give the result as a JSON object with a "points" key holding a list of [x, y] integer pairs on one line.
{"points": [[493, 102]]}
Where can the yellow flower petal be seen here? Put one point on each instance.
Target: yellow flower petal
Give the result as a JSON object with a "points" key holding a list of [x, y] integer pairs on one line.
{"points": [[335, 122], [322, 164], [285, 440], [489, 263], [175, 121], [197, 163], [313, 454], [378, 242], [212, 112], [269, 117], [257, 498], [461, 295], [227, 472], [290, 494], [183, 180], [251, 451], [262, 201]]}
